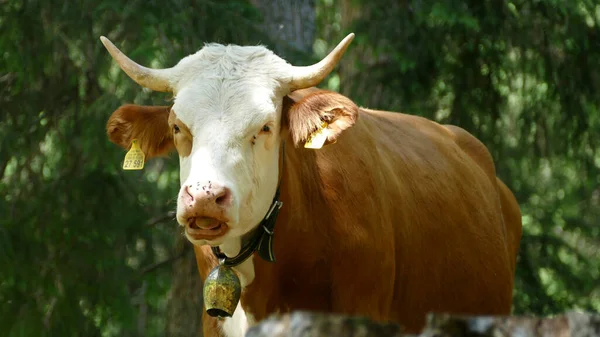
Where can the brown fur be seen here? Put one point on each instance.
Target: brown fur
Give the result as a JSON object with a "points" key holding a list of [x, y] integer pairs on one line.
{"points": [[512, 220], [402, 216], [148, 124], [183, 140]]}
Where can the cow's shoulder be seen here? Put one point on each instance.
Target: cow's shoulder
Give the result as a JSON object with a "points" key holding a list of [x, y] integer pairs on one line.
{"points": [[474, 148], [422, 136]]}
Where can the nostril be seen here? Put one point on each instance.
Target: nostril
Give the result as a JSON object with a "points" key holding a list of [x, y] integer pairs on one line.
{"points": [[187, 195], [224, 197]]}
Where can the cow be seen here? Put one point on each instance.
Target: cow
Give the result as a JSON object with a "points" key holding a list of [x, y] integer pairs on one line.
{"points": [[381, 214]]}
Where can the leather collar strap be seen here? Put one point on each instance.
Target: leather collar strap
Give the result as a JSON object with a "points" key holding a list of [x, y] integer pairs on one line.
{"points": [[262, 238]]}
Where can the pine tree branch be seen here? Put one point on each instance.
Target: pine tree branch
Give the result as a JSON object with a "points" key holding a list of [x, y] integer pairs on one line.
{"points": [[157, 265]]}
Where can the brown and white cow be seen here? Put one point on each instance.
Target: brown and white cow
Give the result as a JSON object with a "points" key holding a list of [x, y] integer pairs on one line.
{"points": [[395, 216]]}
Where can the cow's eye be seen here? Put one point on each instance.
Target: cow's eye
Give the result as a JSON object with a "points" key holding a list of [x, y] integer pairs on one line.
{"points": [[175, 128], [266, 128]]}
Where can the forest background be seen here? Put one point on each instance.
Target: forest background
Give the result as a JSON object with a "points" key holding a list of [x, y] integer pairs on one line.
{"points": [[89, 249]]}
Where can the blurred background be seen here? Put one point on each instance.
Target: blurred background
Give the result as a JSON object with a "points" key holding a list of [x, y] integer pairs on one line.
{"points": [[87, 249]]}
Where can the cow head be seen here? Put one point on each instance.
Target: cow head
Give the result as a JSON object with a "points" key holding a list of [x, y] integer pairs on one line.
{"points": [[226, 124]]}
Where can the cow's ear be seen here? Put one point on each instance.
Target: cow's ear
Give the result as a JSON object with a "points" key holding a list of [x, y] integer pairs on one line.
{"points": [[306, 110], [148, 124]]}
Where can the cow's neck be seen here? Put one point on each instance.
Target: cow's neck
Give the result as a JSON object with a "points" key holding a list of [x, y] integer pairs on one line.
{"points": [[300, 241], [239, 252], [245, 270], [299, 220]]}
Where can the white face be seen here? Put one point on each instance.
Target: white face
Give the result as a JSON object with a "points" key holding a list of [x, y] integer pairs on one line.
{"points": [[230, 174]]}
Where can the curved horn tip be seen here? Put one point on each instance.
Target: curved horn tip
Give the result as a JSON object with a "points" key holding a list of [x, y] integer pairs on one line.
{"points": [[154, 79], [349, 37], [308, 76], [345, 42], [104, 40], [108, 44]]}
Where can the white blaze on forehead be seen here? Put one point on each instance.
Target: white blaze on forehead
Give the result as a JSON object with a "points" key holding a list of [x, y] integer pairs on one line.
{"points": [[219, 62], [232, 106]]}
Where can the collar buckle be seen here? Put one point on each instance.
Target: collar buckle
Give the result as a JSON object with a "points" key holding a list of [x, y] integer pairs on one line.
{"points": [[276, 204]]}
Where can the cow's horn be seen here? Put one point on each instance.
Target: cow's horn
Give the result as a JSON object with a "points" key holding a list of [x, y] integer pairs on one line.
{"points": [[308, 76], [154, 79]]}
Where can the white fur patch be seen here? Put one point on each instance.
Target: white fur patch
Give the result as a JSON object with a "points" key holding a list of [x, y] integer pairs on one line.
{"points": [[237, 325], [251, 320]]}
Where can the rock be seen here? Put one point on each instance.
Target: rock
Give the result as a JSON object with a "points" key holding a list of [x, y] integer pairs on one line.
{"points": [[305, 324], [302, 323], [567, 325]]}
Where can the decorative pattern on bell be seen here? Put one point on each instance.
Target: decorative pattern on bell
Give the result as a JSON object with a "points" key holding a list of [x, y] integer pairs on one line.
{"points": [[222, 291]]}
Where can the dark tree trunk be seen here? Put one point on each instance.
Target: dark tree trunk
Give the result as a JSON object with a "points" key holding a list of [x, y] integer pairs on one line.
{"points": [[185, 298], [290, 24]]}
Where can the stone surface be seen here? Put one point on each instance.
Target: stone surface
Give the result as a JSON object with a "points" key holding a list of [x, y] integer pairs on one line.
{"points": [[306, 324], [312, 324], [571, 324]]}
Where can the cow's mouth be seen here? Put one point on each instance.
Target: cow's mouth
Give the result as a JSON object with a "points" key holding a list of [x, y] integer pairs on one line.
{"points": [[205, 228]]}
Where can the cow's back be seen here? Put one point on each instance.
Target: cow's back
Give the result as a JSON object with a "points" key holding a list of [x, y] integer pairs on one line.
{"points": [[447, 212]]}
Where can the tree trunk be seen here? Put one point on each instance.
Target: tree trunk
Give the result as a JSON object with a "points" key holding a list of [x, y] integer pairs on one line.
{"points": [[184, 312], [290, 24]]}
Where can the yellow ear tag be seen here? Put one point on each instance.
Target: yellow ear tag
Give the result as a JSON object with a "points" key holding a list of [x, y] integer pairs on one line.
{"points": [[317, 138], [134, 159]]}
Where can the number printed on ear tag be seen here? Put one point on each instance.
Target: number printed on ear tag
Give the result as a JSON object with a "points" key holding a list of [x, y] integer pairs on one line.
{"points": [[134, 159]]}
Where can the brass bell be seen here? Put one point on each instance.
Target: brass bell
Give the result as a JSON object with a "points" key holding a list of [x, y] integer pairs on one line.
{"points": [[222, 291]]}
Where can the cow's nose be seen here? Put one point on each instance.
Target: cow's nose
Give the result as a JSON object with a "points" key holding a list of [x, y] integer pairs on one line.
{"points": [[205, 196]]}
